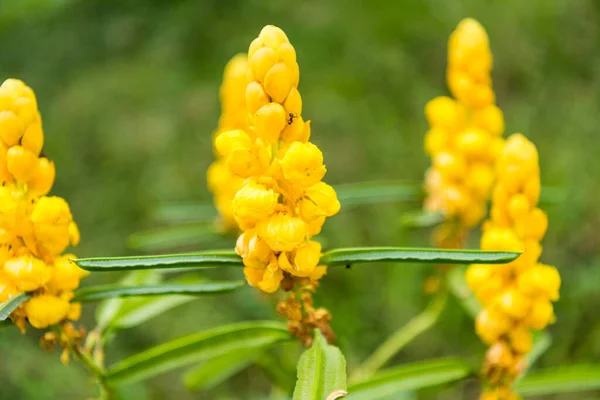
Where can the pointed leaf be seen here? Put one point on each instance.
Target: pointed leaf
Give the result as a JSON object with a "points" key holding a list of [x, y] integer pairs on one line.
{"points": [[197, 347], [458, 286], [567, 379], [102, 292], [11, 304], [399, 254], [173, 236], [207, 259], [218, 369], [137, 311], [422, 219], [321, 371], [407, 378]]}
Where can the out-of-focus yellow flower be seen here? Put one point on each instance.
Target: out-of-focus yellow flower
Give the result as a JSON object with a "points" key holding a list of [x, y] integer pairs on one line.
{"points": [[34, 229], [465, 135], [516, 297]]}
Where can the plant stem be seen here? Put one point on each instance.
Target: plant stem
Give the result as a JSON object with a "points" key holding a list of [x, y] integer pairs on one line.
{"points": [[106, 392], [399, 339]]}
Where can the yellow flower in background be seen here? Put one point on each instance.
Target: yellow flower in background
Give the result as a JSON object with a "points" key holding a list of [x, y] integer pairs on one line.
{"points": [[221, 182], [35, 229], [516, 297], [465, 136], [279, 201]]}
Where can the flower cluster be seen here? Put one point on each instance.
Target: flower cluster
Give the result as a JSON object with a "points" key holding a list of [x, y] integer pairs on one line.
{"points": [[465, 135], [221, 182], [516, 297], [35, 229], [282, 202]]}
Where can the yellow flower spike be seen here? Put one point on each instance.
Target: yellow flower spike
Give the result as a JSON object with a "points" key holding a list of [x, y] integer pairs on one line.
{"points": [[42, 178], [27, 273], [21, 162], [522, 299], [45, 310], [303, 165]]}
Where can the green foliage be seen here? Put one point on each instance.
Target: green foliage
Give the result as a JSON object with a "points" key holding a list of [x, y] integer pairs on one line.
{"points": [[410, 255], [10, 305], [408, 378], [218, 369], [197, 347], [566, 379], [102, 292], [321, 372], [174, 236]]}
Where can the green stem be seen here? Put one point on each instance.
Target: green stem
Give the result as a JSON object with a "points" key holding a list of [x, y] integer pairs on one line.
{"points": [[106, 392], [399, 339]]}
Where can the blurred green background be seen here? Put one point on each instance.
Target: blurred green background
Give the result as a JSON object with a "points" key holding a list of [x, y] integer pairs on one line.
{"points": [[128, 91]]}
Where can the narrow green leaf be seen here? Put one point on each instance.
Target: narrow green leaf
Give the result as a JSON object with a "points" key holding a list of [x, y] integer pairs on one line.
{"points": [[276, 369], [11, 304], [376, 192], [137, 311], [167, 237], [207, 259], [196, 347], [541, 341], [567, 379], [407, 378], [422, 219], [321, 371], [6, 323], [102, 292], [218, 369], [399, 254], [108, 309]]}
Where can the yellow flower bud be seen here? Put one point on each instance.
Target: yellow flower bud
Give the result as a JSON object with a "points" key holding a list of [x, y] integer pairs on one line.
{"points": [[500, 355], [42, 178], [273, 36], [269, 121], [303, 165], [254, 251], [51, 218], [21, 162], [74, 311], [74, 235], [228, 142], [520, 339], [489, 118], [26, 110], [536, 224], [7, 287], [436, 141], [11, 128], [500, 239], [45, 310], [33, 138], [518, 206], [450, 165], [302, 261], [261, 62], [293, 103], [27, 273], [514, 303], [314, 226], [65, 274], [297, 131], [320, 200], [480, 178], [477, 274], [256, 97], [473, 142], [540, 315], [278, 82], [532, 189], [445, 113], [252, 203], [282, 232], [271, 279]]}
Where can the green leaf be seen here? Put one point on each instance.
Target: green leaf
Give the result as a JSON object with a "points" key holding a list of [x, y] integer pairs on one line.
{"points": [[422, 219], [275, 368], [206, 259], [376, 192], [321, 371], [102, 292], [218, 369], [197, 347], [10, 305], [137, 311], [399, 254], [173, 236], [540, 343], [567, 379], [6, 323], [407, 378], [108, 309]]}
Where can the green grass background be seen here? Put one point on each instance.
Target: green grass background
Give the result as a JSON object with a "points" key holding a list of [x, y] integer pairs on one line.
{"points": [[128, 94]]}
